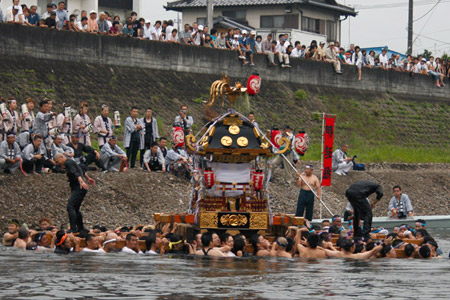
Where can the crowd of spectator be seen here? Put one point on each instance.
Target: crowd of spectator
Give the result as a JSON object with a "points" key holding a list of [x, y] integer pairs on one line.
{"points": [[33, 141], [330, 239], [279, 50]]}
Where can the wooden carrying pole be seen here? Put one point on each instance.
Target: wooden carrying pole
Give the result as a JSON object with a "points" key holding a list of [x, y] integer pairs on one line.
{"points": [[307, 184]]}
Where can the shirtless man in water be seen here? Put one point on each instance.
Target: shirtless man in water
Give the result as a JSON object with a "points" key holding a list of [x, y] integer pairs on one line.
{"points": [[309, 248], [306, 196], [279, 248], [208, 246], [348, 247], [12, 234]]}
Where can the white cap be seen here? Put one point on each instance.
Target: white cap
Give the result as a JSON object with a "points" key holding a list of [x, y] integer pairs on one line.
{"points": [[16, 7], [424, 59], [200, 27], [147, 21], [236, 35], [253, 32], [93, 12], [244, 31]]}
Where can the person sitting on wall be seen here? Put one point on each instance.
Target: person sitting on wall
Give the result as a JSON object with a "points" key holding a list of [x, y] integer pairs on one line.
{"points": [[341, 163], [400, 205]]}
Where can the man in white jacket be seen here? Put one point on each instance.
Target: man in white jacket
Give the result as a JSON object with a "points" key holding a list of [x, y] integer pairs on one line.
{"points": [[112, 156], [341, 163]]}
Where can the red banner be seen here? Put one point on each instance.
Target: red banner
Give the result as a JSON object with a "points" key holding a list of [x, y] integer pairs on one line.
{"points": [[328, 139]]}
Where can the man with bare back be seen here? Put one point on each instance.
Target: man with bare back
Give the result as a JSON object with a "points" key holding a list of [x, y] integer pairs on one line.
{"points": [[306, 196]]}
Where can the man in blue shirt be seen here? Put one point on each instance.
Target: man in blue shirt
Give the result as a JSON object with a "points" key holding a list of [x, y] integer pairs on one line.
{"points": [[250, 44], [61, 15], [33, 18]]}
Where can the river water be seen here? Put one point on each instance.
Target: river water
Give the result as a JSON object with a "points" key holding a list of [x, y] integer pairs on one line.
{"points": [[83, 276]]}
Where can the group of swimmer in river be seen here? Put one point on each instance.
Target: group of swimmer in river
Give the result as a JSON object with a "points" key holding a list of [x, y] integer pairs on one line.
{"points": [[303, 242]]}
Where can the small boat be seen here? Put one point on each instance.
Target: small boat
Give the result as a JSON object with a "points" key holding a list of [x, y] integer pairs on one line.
{"points": [[438, 221]]}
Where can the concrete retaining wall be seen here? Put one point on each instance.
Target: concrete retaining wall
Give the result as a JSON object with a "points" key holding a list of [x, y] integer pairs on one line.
{"points": [[16, 40]]}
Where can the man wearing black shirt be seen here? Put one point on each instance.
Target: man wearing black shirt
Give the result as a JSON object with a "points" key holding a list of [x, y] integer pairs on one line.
{"points": [[51, 21], [357, 194], [151, 132], [79, 149], [78, 189]]}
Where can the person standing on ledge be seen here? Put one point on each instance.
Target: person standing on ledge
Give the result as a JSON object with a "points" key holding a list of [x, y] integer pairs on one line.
{"points": [[306, 196], [358, 194], [78, 189]]}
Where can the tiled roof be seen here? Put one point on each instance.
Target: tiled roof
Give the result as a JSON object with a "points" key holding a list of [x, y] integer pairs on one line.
{"points": [[329, 4], [201, 3]]}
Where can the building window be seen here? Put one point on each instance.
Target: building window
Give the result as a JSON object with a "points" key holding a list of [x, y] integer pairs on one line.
{"points": [[235, 14], [313, 25], [331, 31], [119, 4], [201, 21], [284, 21]]}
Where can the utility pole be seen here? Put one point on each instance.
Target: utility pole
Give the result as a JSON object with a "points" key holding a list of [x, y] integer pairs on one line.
{"points": [[410, 27], [209, 13]]}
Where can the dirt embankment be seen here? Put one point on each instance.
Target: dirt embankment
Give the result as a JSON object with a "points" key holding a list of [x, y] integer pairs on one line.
{"points": [[132, 198]]}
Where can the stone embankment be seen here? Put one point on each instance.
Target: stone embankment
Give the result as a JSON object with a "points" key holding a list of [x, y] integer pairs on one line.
{"points": [[132, 198]]}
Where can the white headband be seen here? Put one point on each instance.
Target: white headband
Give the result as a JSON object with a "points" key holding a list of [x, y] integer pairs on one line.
{"points": [[109, 241]]}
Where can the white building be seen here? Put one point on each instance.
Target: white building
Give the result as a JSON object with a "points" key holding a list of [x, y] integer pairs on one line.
{"points": [[302, 19]]}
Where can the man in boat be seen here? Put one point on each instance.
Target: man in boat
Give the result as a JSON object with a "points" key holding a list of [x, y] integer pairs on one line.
{"points": [[400, 205], [208, 248], [306, 196], [78, 187], [357, 194], [12, 234]]}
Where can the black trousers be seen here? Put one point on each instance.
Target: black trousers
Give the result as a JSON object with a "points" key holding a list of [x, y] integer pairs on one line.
{"points": [[33, 165], [361, 211], [132, 152], [73, 208], [91, 158], [305, 200], [155, 166]]}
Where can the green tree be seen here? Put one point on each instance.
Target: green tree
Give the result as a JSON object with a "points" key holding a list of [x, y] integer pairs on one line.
{"points": [[426, 54]]}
